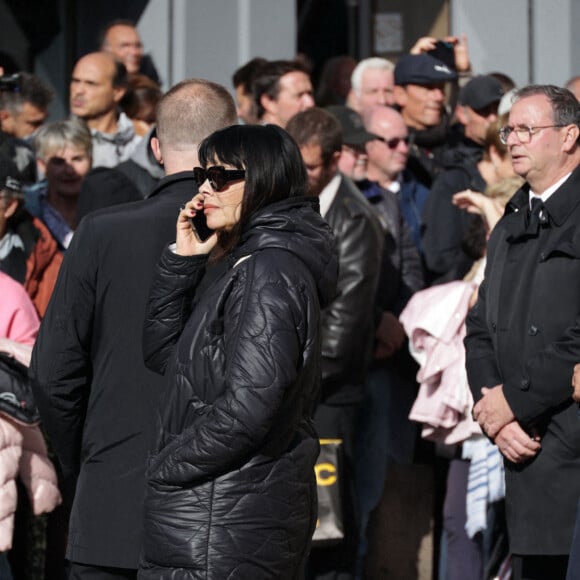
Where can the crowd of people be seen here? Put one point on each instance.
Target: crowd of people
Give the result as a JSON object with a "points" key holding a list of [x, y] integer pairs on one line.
{"points": [[197, 291]]}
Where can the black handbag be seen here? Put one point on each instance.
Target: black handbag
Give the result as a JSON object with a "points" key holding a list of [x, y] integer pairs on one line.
{"points": [[16, 397]]}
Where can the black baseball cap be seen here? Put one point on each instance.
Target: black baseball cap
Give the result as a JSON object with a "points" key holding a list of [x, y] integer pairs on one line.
{"points": [[422, 69], [9, 175], [481, 92], [353, 130]]}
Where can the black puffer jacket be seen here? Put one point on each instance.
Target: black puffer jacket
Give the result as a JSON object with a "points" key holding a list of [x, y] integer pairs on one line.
{"points": [[231, 490]]}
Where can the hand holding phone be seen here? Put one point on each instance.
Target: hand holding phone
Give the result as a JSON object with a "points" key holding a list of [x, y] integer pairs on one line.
{"points": [[193, 236], [445, 52]]}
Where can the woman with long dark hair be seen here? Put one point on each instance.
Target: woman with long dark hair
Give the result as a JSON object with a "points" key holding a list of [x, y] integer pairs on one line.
{"points": [[231, 489]]}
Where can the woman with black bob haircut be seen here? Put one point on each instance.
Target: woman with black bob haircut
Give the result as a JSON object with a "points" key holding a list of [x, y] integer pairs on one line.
{"points": [[231, 485]]}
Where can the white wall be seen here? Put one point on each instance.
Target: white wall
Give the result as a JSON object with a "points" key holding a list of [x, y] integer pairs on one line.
{"points": [[197, 38], [500, 38]]}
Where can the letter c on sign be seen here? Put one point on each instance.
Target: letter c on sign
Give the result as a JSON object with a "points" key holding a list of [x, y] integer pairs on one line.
{"points": [[325, 474]]}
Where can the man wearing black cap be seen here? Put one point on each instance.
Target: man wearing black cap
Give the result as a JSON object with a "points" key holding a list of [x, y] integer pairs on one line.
{"points": [[420, 96], [445, 226], [353, 158]]}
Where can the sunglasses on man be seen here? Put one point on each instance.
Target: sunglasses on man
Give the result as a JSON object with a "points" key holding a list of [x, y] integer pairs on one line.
{"points": [[394, 142], [217, 175]]}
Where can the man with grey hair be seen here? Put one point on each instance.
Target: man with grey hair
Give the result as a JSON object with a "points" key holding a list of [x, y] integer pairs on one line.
{"points": [[96, 398], [523, 333], [372, 83]]}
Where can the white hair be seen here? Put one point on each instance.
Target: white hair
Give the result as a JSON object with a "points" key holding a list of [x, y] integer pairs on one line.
{"points": [[374, 62]]}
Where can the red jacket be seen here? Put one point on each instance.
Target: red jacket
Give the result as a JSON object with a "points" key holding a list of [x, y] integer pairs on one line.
{"points": [[42, 268]]}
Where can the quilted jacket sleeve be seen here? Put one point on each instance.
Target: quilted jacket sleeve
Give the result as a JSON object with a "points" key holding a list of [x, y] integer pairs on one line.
{"points": [[169, 307], [265, 325]]}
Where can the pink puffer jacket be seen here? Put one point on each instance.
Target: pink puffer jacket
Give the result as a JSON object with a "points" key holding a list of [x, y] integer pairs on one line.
{"points": [[23, 454]]}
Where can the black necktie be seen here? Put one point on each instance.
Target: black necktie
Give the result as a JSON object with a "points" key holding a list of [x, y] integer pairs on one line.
{"points": [[535, 214]]}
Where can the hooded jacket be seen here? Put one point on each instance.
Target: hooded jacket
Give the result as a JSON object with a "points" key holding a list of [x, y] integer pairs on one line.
{"points": [[36, 261], [109, 149], [231, 489]]}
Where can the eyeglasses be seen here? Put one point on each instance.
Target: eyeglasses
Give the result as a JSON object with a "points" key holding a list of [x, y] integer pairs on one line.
{"points": [[523, 133], [394, 142], [217, 175]]}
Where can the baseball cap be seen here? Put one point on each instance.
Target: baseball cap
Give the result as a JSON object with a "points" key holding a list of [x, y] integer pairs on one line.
{"points": [[353, 131], [481, 92], [422, 69], [9, 175]]}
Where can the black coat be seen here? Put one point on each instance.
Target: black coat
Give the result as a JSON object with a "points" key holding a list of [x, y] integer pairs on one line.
{"points": [[524, 333], [231, 489], [348, 324], [446, 227], [401, 272], [96, 398]]}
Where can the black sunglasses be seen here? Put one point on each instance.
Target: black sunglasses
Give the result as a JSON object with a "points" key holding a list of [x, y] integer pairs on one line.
{"points": [[394, 142], [217, 175]]}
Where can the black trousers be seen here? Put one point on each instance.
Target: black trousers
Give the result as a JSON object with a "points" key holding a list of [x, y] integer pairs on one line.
{"points": [[87, 572], [539, 567]]}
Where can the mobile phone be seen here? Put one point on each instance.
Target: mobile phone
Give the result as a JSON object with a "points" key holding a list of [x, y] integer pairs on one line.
{"points": [[445, 52], [199, 226]]}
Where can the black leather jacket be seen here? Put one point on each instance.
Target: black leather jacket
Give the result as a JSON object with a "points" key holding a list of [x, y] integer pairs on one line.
{"points": [[348, 321]]}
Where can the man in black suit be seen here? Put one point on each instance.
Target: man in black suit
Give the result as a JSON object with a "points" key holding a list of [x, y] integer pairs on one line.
{"points": [[96, 398], [523, 333], [348, 322]]}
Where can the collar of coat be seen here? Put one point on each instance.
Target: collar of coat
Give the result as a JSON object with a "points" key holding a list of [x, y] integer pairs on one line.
{"points": [[559, 206]]}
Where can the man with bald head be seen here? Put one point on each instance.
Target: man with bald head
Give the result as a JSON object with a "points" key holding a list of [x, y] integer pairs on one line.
{"points": [[121, 38], [385, 434], [387, 161], [97, 85]]}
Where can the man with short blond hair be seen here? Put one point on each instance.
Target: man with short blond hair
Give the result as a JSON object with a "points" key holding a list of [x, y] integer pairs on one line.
{"points": [[96, 399]]}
